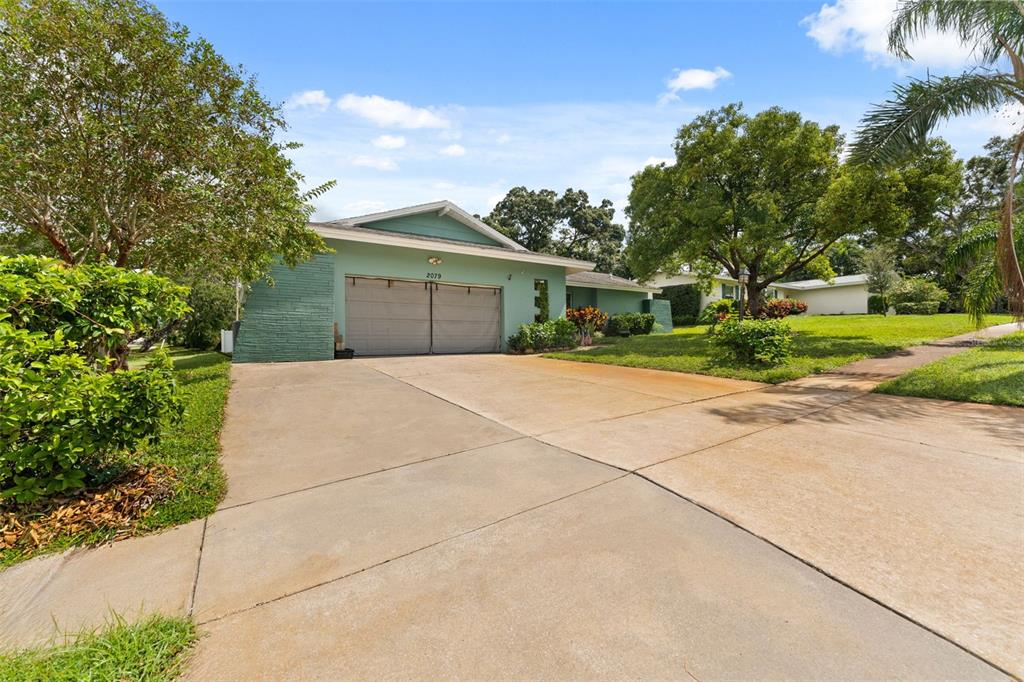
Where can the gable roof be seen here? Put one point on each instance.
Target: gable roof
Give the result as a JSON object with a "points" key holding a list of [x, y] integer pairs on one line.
{"points": [[602, 280], [441, 208], [368, 235]]}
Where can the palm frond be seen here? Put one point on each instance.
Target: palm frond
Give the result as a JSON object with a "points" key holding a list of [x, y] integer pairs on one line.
{"points": [[979, 25], [977, 245], [981, 290], [903, 122]]}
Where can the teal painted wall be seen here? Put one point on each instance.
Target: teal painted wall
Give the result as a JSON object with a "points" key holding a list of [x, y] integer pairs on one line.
{"points": [[431, 225], [582, 296], [515, 279], [612, 301], [292, 320]]}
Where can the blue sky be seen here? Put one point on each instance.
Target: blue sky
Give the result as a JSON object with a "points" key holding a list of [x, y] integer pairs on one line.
{"points": [[404, 103]]}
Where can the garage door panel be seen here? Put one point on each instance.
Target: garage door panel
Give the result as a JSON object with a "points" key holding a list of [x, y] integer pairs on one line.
{"points": [[387, 317], [466, 319]]}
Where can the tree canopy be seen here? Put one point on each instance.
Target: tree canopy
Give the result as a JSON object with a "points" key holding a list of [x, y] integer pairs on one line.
{"points": [[567, 225], [766, 194], [995, 33], [125, 141]]}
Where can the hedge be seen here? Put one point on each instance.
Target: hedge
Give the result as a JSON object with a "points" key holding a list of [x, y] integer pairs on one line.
{"points": [[922, 308], [684, 300]]}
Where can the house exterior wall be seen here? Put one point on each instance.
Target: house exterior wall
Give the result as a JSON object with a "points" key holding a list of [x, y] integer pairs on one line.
{"points": [[291, 320], [661, 280], [844, 300], [432, 225], [611, 301], [515, 279]]}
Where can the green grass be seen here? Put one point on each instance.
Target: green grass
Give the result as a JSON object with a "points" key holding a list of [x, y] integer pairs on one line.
{"points": [[991, 374], [192, 447], [820, 343], [151, 650]]}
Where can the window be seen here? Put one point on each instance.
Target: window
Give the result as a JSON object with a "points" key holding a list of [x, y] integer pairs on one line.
{"points": [[568, 299], [730, 291], [540, 300], [771, 293]]}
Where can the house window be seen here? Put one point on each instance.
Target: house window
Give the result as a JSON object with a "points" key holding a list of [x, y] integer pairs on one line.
{"points": [[771, 293], [568, 299], [540, 300], [730, 291]]}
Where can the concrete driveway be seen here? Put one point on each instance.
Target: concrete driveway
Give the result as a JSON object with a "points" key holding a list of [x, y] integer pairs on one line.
{"points": [[513, 517]]}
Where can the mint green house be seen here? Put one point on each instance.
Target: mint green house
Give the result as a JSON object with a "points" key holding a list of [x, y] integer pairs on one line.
{"points": [[423, 279]]}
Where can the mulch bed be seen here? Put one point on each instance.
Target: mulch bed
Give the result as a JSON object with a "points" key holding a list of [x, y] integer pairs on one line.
{"points": [[115, 507]]}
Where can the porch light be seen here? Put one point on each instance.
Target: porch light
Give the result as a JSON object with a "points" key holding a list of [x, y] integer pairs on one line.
{"points": [[434, 260]]}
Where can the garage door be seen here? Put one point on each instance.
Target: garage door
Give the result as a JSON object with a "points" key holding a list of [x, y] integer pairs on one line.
{"points": [[399, 317], [465, 319]]}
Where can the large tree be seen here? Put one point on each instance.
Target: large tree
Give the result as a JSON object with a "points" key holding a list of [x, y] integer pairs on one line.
{"points": [[567, 225], [125, 141], [995, 32], [765, 194]]}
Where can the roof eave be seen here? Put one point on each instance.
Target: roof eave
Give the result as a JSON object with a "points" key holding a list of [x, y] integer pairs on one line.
{"points": [[571, 265]]}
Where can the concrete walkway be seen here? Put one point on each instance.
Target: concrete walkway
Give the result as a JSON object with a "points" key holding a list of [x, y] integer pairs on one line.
{"points": [[510, 517]]}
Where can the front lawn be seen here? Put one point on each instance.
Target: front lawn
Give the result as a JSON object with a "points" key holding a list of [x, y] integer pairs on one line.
{"points": [[190, 449], [152, 650], [991, 374], [821, 343]]}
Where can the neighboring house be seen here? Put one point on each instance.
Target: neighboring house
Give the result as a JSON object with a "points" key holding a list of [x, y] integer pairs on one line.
{"points": [[844, 295], [423, 279]]}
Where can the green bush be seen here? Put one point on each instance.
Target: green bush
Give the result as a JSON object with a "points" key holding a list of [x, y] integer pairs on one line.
{"points": [[918, 290], [684, 300], [876, 304], [762, 341], [212, 309], [539, 336], [636, 324], [920, 308], [684, 321], [64, 415], [716, 309]]}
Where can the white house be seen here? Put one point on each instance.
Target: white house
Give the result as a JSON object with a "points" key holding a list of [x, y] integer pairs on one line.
{"points": [[845, 295]]}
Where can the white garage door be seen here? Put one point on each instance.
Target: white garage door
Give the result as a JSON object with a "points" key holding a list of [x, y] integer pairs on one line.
{"points": [[398, 317]]}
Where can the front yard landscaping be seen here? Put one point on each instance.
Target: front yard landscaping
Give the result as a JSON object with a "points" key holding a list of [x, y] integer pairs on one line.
{"points": [[991, 374], [820, 343], [185, 460], [152, 650]]}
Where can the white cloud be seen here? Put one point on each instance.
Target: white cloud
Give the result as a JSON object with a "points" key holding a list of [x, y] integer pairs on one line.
{"points": [[655, 160], [504, 138], [863, 25], [697, 79], [375, 162], [389, 142], [444, 185], [391, 113], [453, 150], [316, 100]]}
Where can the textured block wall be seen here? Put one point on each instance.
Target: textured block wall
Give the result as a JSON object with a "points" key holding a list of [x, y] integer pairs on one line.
{"points": [[662, 310], [292, 320]]}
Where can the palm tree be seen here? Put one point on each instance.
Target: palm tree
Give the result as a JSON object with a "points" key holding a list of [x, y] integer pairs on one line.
{"points": [[975, 255], [995, 31]]}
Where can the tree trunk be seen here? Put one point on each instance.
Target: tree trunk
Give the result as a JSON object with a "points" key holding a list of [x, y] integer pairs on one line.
{"points": [[1006, 253], [159, 335], [754, 299]]}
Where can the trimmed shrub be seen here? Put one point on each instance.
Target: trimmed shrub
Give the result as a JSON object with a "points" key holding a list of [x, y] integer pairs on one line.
{"points": [[213, 309], [761, 341], [918, 290], [65, 415], [540, 336], [684, 321], [918, 308], [684, 300], [718, 310], [876, 304], [636, 324], [778, 308]]}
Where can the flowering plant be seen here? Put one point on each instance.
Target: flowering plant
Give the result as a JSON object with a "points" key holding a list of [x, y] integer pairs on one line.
{"points": [[587, 320]]}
